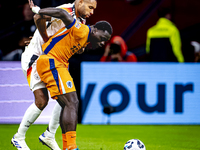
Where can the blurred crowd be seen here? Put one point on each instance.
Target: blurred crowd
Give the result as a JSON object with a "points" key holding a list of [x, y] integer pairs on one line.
{"points": [[18, 26], [163, 40]]}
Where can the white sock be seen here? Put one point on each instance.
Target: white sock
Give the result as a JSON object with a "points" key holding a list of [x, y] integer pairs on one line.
{"points": [[55, 118], [31, 114]]}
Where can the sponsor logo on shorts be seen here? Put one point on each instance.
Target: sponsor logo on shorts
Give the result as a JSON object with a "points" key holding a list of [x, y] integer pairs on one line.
{"points": [[69, 84]]}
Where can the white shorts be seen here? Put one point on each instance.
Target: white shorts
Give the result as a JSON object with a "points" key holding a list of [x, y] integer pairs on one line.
{"points": [[28, 64]]}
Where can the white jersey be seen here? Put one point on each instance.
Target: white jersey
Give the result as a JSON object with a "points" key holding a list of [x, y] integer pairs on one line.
{"points": [[34, 49]]}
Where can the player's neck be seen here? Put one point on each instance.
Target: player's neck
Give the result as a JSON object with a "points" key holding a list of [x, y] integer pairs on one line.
{"points": [[76, 10]]}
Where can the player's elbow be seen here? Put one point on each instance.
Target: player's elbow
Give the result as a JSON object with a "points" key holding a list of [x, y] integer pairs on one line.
{"points": [[62, 13], [64, 16]]}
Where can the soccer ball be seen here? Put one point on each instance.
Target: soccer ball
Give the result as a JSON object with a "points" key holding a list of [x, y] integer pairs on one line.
{"points": [[134, 144]]}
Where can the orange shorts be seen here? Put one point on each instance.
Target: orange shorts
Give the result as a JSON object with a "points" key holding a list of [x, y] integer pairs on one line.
{"points": [[55, 75]]}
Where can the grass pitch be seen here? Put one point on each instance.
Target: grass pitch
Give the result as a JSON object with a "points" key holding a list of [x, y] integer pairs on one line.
{"points": [[113, 137]]}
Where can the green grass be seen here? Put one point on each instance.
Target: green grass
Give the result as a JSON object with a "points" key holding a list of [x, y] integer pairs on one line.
{"points": [[113, 137]]}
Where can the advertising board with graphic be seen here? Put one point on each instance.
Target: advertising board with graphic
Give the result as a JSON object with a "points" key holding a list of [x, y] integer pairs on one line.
{"points": [[140, 93]]}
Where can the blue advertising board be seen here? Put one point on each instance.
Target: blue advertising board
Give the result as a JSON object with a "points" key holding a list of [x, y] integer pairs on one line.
{"points": [[140, 93]]}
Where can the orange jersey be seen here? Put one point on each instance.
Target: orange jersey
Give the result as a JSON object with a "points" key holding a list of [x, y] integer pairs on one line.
{"points": [[67, 41]]}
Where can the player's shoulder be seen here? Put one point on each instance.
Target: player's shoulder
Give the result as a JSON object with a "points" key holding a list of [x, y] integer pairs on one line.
{"points": [[70, 8], [81, 29], [68, 5]]}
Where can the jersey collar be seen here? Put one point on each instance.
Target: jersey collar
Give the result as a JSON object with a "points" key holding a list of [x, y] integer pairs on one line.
{"points": [[89, 32]]}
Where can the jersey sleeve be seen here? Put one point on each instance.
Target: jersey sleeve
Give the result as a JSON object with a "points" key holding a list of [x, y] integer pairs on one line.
{"points": [[80, 31], [66, 7], [69, 10]]}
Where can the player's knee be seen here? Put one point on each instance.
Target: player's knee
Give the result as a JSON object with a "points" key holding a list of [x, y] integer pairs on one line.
{"points": [[41, 98], [75, 103], [41, 104], [62, 13]]}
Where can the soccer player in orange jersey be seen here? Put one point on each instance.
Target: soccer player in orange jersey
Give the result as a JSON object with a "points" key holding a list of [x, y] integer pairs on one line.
{"points": [[52, 68], [80, 10]]}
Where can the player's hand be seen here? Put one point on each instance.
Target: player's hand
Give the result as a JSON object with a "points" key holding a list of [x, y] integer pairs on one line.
{"points": [[33, 7], [31, 4]]}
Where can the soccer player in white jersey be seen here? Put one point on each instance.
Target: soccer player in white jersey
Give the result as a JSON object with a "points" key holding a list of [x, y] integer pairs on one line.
{"points": [[80, 10]]}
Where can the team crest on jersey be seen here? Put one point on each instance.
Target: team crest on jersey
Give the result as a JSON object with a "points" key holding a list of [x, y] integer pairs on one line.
{"points": [[69, 84], [77, 25]]}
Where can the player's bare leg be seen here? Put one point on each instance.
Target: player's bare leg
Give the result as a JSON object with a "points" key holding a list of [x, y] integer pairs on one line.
{"points": [[69, 118], [48, 137], [31, 114]]}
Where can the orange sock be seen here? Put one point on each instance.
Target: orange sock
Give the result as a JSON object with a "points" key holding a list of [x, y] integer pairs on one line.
{"points": [[71, 139], [64, 139]]}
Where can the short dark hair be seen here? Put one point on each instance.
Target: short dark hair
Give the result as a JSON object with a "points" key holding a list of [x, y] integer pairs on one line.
{"points": [[104, 25], [162, 12]]}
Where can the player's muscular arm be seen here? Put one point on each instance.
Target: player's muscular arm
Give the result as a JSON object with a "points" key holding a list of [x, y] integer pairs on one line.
{"points": [[40, 22], [58, 13], [53, 12]]}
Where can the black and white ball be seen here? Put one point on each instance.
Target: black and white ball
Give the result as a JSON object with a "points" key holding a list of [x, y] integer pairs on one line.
{"points": [[134, 144]]}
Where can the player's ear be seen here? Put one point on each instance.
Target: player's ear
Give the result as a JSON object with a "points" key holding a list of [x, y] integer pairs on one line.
{"points": [[94, 30], [81, 1]]}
